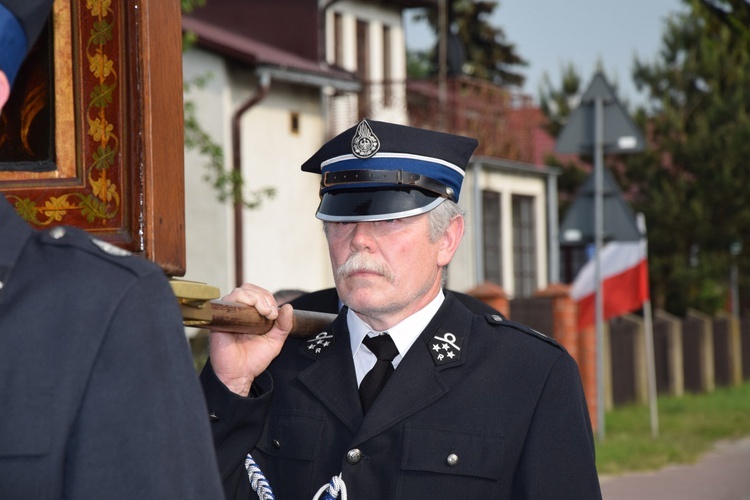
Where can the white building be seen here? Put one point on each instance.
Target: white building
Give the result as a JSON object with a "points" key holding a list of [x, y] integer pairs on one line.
{"points": [[294, 74]]}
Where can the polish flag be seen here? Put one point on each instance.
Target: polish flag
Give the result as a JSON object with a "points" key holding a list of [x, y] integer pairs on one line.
{"points": [[624, 276]]}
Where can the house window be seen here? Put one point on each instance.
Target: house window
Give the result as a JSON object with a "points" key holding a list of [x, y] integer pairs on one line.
{"points": [[493, 269], [524, 246], [294, 123]]}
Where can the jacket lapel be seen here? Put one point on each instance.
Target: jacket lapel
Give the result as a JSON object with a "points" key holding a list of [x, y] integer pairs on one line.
{"points": [[332, 378], [419, 380]]}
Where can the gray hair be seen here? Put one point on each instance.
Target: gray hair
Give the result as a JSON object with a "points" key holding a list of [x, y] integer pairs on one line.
{"points": [[440, 217]]}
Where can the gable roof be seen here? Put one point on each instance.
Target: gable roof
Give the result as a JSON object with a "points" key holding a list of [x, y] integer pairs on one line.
{"points": [[257, 33]]}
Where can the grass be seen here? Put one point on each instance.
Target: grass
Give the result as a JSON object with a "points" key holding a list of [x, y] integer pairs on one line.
{"points": [[688, 427]]}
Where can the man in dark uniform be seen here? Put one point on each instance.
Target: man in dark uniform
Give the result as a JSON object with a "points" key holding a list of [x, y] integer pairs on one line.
{"points": [[98, 392], [477, 407]]}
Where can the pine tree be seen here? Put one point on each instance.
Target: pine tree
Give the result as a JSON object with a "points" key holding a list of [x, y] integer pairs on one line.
{"points": [[487, 54]]}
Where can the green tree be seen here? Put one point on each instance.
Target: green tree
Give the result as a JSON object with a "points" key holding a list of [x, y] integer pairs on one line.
{"points": [[693, 181], [488, 54]]}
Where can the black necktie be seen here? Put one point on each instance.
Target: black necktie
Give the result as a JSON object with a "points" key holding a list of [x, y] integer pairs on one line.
{"points": [[385, 350]]}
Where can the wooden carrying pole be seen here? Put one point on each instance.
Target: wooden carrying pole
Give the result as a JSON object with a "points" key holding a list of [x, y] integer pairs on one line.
{"points": [[201, 308], [231, 317]]}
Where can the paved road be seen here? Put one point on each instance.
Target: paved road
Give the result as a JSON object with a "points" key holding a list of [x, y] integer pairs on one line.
{"points": [[722, 474]]}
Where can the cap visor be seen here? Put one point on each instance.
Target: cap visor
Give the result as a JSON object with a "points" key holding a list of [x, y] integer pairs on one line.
{"points": [[375, 205]]}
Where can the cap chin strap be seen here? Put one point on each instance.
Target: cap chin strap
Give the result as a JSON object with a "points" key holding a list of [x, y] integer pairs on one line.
{"points": [[395, 177]]}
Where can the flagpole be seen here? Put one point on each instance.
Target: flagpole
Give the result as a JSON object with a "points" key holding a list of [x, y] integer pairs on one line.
{"points": [[598, 230], [622, 136], [648, 324], [650, 366]]}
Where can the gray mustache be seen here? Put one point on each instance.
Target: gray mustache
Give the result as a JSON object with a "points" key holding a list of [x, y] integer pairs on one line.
{"points": [[358, 262]]}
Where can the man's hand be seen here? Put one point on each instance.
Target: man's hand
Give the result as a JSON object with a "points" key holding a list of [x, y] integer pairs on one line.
{"points": [[238, 359]]}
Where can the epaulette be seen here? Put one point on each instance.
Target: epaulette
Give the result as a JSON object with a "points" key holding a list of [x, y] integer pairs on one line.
{"points": [[81, 240], [497, 320]]}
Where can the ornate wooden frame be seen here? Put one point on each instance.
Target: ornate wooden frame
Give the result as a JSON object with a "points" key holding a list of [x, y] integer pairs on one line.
{"points": [[118, 129]]}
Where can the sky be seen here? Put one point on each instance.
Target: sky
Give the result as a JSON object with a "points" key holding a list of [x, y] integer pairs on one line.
{"points": [[552, 33]]}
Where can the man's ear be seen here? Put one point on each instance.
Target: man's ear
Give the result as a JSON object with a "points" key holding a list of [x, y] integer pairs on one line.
{"points": [[450, 240], [4, 89]]}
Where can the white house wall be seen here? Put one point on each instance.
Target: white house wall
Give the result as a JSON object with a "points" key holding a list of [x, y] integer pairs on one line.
{"points": [[208, 222], [284, 246], [284, 242]]}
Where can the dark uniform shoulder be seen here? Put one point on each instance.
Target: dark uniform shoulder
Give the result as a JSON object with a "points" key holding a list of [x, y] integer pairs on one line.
{"points": [[498, 321], [79, 240]]}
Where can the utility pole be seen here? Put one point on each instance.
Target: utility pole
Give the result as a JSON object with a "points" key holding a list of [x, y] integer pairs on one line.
{"points": [[599, 126], [443, 63]]}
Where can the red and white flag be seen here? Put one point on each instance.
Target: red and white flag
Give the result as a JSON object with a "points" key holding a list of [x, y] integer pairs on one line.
{"points": [[624, 276]]}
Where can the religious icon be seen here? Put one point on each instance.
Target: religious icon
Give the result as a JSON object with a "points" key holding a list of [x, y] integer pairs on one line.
{"points": [[26, 125]]}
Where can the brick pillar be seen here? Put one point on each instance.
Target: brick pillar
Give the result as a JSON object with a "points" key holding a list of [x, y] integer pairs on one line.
{"points": [[580, 345], [587, 367], [492, 295]]}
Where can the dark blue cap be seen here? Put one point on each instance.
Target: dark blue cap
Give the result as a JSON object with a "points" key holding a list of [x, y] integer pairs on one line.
{"points": [[378, 171]]}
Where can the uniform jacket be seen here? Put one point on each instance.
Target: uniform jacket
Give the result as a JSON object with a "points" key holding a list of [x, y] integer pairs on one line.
{"points": [[479, 408], [98, 393]]}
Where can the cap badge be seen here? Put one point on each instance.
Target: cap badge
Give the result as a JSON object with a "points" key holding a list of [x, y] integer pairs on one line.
{"points": [[365, 143]]}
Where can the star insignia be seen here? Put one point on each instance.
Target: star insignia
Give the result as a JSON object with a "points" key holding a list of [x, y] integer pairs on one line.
{"points": [[446, 348], [317, 345]]}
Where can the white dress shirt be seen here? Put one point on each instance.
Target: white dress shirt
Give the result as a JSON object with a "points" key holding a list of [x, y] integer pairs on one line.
{"points": [[403, 334]]}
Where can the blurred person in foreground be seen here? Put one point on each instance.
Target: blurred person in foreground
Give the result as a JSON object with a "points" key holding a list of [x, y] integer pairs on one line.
{"points": [[98, 391], [407, 394]]}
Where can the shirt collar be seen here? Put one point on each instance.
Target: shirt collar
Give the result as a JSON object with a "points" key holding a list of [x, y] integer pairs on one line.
{"points": [[404, 333]]}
